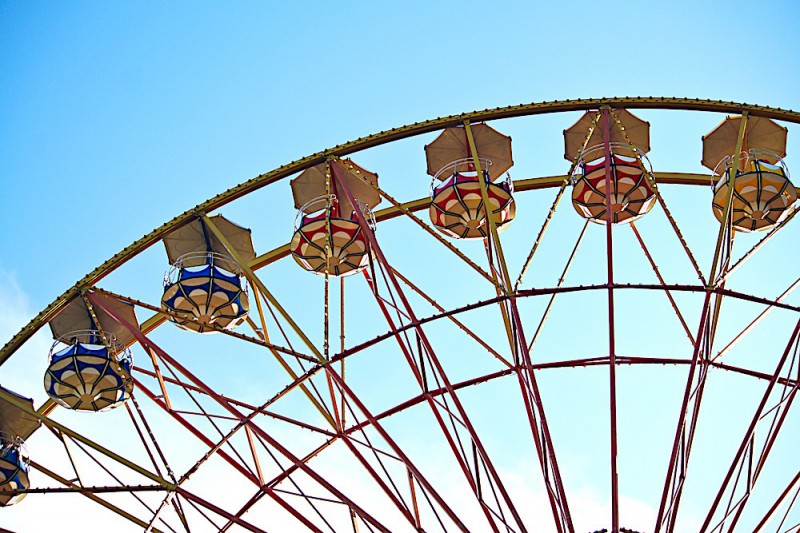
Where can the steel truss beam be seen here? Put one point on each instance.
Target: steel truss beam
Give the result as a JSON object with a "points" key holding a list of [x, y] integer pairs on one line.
{"points": [[532, 399], [144, 341], [696, 381], [749, 460], [438, 371]]}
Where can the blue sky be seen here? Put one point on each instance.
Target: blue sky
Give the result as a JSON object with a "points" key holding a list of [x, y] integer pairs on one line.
{"points": [[115, 117], [152, 109]]}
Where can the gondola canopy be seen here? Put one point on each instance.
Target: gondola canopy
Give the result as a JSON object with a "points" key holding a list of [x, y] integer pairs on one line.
{"points": [[452, 145], [761, 133], [310, 185], [637, 130]]}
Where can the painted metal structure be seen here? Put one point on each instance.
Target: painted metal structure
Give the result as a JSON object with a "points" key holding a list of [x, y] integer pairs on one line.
{"points": [[238, 433]]}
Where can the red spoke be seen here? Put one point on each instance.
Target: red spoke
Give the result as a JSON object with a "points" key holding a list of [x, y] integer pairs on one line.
{"points": [[436, 366], [230, 408], [612, 367], [676, 471], [747, 444]]}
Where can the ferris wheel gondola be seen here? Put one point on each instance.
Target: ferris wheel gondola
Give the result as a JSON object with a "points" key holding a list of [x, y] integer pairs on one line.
{"points": [[15, 426], [464, 180], [204, 289], [327, 236], [762, 192], [90, 363], [610, 147]]}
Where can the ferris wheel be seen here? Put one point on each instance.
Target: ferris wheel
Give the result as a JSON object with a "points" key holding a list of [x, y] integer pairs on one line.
{"points": [[443, 348]]}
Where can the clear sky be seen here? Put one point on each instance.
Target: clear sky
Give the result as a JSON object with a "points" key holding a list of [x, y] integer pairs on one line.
{"points": [[115, 117], [145, 109]]}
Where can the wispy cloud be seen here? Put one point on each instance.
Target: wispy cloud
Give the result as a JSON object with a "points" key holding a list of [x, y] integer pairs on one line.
{"points": [[24, 370]]}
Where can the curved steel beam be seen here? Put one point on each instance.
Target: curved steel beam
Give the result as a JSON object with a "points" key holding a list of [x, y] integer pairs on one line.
{"points": [[377, 139]]}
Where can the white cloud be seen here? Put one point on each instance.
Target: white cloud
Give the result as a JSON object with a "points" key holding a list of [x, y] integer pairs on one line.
{"points": [[23, 372], [14, 305]]}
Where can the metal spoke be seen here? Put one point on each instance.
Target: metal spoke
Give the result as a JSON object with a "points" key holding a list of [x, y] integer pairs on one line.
{"points": [[747, 449], [695, 384], [92, 495], [663, 283], [560, 282], [460, 325], [612, 354], [761, 316], [778, 502], [790, 213], [651, 178], [435, 366], [553, 207]]}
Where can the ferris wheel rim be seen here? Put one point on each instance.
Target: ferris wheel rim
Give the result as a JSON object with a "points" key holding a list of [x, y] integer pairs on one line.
{"points": [[369, 141]]}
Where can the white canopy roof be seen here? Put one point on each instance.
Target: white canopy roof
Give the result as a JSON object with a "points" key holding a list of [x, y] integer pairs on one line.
{"points": [[14, 421], [75, 317], [196, 237], [759, 133], [310, 184], [453, 145], [637, 129]]}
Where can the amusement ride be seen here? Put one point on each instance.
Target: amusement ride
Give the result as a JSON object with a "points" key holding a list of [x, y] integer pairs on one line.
{"points": [[480, 364]]}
